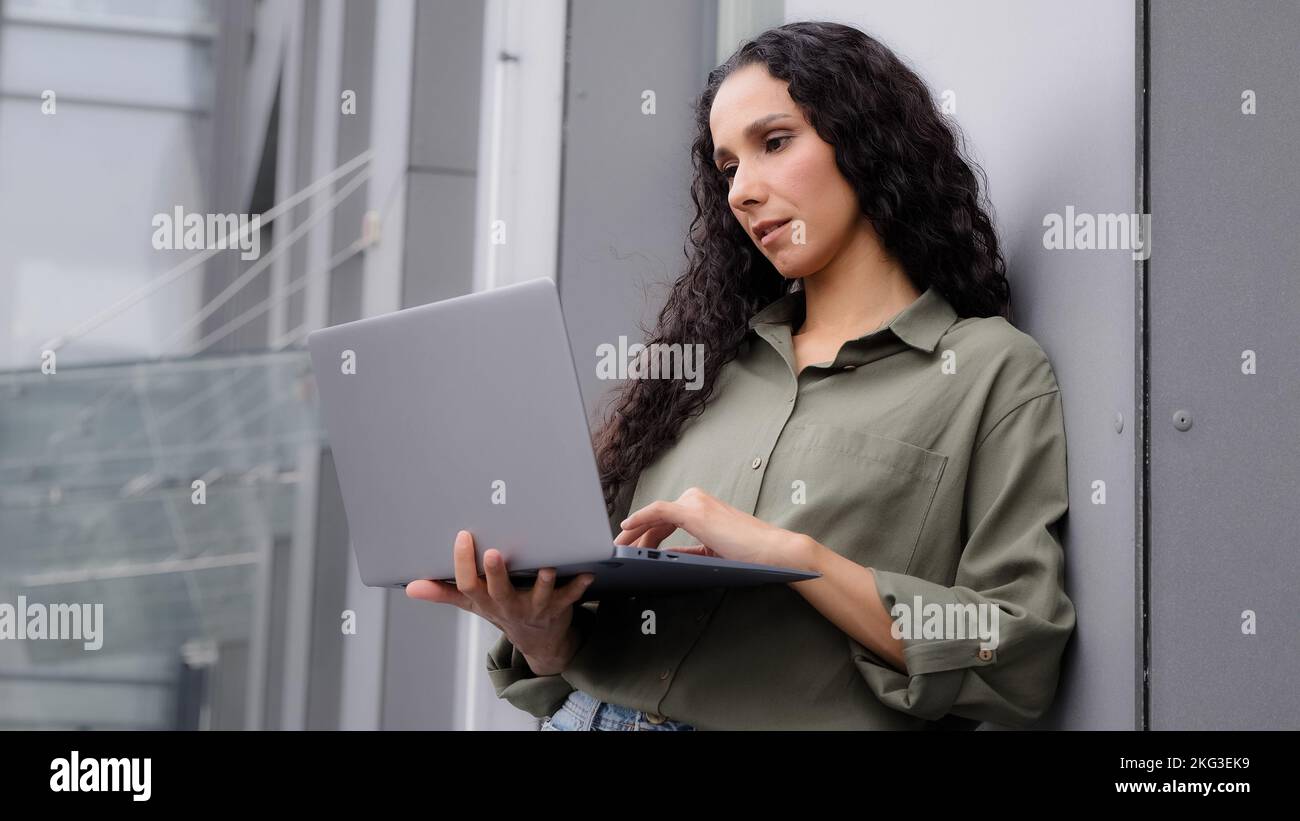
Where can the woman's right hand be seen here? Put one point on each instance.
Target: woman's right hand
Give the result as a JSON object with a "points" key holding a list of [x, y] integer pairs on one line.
{"points": [[537, 621]]}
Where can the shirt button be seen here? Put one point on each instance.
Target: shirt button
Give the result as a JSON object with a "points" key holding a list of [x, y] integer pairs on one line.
{"points": [[664, 674], [758, 460], [849, 367], [655, 718], [985, 654]]}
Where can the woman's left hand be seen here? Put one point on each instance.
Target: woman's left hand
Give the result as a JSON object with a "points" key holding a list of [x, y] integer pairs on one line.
{"points": [[723, 531]]}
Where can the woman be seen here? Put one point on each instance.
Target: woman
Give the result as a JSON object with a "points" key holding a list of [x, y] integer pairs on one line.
{"points": [[867, 413]]}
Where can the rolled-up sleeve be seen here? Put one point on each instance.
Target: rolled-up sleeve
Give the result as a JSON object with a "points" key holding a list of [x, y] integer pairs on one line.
{"points": [[1012, 561], [516, 682]]}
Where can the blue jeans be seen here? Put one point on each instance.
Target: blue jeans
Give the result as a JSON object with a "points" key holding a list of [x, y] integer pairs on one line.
{"points": [[585, 712]]}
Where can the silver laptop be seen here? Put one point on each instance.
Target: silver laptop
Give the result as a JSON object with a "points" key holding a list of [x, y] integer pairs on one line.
{"points": [[466, 414]]}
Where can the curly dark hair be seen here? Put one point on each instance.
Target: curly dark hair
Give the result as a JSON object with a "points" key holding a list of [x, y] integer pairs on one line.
{"points": [[901, 157]]}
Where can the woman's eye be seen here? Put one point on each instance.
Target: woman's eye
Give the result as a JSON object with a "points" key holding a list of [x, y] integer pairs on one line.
{"points": [[776, 139], [730, 170]]}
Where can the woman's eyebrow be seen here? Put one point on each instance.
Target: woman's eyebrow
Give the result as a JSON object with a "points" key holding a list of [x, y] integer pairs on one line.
{"points": [[750, 131]]}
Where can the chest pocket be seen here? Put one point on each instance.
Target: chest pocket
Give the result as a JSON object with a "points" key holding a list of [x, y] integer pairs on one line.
{"points": [[865, 496]]}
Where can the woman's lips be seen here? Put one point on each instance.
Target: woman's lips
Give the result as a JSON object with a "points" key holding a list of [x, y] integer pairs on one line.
{"points": [[771, 236]]}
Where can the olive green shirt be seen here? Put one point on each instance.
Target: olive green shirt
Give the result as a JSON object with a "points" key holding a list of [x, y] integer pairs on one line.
{"points": [[931, 450]]}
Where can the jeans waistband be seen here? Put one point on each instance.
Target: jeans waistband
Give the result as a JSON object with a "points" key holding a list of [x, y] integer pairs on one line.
{"points": [[588, 712]]}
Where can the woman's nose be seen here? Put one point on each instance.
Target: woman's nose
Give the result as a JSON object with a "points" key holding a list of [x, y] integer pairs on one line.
{"points": [[744, 190]]}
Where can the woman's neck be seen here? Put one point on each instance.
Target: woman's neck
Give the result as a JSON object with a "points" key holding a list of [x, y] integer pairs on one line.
{"points": [[848, 307]]}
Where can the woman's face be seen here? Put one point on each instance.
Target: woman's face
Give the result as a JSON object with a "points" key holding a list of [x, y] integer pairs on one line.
{"points": [[779, 168]]}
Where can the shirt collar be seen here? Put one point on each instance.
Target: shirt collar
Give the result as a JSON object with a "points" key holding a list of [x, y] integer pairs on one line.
{"points": [[920, 325]]}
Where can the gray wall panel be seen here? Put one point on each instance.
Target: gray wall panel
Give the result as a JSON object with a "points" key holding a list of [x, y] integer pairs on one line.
{"points": [[1223, 279], [627, 175], [439, 257], [445, 102]]}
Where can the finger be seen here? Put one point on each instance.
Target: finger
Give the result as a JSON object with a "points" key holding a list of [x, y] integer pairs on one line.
{"points": [[467, 580], [631, 537], [693, 549], [543, 588], [436, 591], [499, 587], [652, 537], [649, 535], [660, 513], [651, 512], [568, 595]]}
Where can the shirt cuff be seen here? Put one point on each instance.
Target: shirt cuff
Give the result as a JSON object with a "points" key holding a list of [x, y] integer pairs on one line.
{"points": [[935, 667], [930, 655], [514, 681]]}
